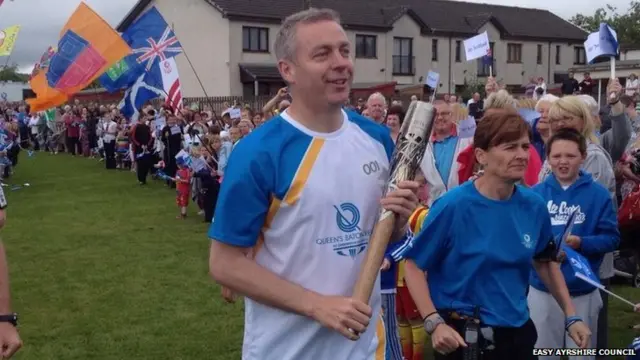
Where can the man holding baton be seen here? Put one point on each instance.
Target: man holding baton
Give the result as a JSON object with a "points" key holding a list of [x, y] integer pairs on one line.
{"points": [[303, 191]]}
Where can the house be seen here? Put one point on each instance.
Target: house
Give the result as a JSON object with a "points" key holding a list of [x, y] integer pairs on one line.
{"points": [[230, 42]]}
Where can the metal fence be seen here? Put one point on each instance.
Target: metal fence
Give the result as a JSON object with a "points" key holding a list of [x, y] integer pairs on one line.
{"points": [[221, 103]]}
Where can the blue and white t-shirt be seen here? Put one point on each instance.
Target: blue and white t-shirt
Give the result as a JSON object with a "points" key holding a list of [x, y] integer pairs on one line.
{"points": [[307, 202]]}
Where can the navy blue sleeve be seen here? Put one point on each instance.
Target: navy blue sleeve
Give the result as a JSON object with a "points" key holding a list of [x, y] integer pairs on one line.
{"points": [[607, 236], [546, 232], [243, 201], [430, 245]]}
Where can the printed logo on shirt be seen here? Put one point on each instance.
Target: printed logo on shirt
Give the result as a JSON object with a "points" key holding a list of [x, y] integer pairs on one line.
{"points": [[526, 241], [560, 213], [371, 168], [352, 240]]}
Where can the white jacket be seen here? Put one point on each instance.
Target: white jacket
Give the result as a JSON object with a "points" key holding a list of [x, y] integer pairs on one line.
{"points": [[435, 183]]}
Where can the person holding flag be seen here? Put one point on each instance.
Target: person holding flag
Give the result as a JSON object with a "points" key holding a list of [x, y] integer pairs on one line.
{"points": [[572, 195]]}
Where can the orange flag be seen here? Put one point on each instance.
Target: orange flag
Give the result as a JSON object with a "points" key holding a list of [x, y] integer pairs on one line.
{"points": [[88, 47]]}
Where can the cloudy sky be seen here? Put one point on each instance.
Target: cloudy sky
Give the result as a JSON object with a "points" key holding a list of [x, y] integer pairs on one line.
{"points": [[41, 21]]}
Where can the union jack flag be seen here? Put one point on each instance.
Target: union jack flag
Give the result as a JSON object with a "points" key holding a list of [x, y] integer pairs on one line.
{"points": [[166, 47]]}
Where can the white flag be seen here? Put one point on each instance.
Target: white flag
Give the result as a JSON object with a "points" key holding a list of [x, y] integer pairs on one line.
{"points": [[171, 83]]}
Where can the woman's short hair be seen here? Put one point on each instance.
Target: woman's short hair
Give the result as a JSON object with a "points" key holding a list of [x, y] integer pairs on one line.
{"points": [[397, 110], [568, 135], [500, 126], [547, 98], [574, 106], [500, 100]]}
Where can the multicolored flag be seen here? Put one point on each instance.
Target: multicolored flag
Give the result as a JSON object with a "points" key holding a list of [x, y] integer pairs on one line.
{"points": [[152, 41], [45, 59], [8, 39], [88, 47]]}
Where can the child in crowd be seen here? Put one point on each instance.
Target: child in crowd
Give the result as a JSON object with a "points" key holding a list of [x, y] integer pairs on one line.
{"points": [[183, 185], [122, 149]]}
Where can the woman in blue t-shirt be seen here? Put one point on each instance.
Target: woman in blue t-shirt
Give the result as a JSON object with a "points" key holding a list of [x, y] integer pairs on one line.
{"points": [[594, 233], [477, 245]]}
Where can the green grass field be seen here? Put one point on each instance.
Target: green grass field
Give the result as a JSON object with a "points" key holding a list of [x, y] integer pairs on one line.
{"points": [[101, 269]]}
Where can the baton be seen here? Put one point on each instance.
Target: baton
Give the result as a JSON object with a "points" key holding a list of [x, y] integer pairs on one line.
{"points": [[410, 147]]}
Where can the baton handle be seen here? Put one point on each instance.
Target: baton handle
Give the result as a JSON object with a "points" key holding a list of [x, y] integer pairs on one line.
{"points": [[373, 258]]}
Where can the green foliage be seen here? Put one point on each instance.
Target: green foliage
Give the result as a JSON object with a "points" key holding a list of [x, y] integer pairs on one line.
{"points": [[471, 86], [10, 73], [626, 23]]}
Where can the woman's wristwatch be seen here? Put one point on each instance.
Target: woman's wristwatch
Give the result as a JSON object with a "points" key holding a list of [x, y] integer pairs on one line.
{"points": [[431, 322]]}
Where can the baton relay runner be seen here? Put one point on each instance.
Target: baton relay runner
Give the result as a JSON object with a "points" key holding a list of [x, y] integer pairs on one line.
{"points": [[477, 245], [304, 191]]}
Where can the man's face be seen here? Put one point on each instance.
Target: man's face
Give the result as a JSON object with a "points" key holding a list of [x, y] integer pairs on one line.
{"points": [[442, 123], [476, 96], [376, 108], [322, 70], [570, 75]]}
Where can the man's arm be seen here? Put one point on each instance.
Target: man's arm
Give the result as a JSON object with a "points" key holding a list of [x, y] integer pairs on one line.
{"points": [[5, 296], [230, 266]]}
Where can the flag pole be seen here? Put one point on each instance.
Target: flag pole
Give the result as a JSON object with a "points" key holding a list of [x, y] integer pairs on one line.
{"points": [[186, 56], [6, 64]]}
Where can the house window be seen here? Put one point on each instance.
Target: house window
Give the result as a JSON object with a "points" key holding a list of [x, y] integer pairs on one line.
{"points": [[579, 56], [366, 46], [514, 53], [403, 56], [255, 39], [434, 50], [458, 50], [539, 55], [558, 55], [485, 62]]}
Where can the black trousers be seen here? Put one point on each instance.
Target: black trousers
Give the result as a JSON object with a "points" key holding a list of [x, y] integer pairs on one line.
{"points": [[73, 145], [143, 164], [210, 199], [34, 141], [510, 343], [93, 141], [110, 154]]}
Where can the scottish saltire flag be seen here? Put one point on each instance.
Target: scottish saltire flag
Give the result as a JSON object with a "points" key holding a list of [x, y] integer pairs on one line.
{"points": [[148, 86], [604, 42], [581, 267], [151, 41]]}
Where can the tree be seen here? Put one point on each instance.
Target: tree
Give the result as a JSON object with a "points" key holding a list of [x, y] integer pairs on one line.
{"points": [[626, 25], [10, 73]]}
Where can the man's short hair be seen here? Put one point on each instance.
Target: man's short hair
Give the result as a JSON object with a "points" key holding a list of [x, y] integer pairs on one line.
{"points": [[286, 37]]}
